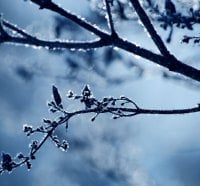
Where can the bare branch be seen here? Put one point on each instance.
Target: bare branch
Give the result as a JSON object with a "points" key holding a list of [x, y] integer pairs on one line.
{"points": [[169, 62], [147, 24], [81, 22], [51, 45], [3, 34], [115, 106], [33, 41], [16, 29], [178, 19], [137, 111], [172, 64], [109, 17]]}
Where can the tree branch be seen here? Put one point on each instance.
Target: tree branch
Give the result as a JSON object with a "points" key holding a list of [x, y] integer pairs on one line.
{"points": [[147, 24], [51, 45], [81, 22], [180, 20], [172, 64], [137, 111], [16, 29], [169, 62], [109, 18], [34, 41], [3, 34], [115, 106]]}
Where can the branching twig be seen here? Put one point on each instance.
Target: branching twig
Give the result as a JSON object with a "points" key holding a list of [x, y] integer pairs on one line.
{"points": [[81, 22], [115, 106], [181, 21], [16, 29], [3, 34], [107, 40], [168, 61]]}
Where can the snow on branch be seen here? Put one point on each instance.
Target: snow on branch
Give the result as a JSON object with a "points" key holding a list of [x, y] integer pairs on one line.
{"points": [[147, 24], [170, 62], [165, 59], [48, 4], [109, 18]]}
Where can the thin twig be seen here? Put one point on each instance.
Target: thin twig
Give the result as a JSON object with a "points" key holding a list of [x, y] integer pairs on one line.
{"points": [[51, 45], [3, 34], [138, 111], [178, 19], [148, 25], [81, 22], [92, 105], [109, 18], [16, 29]]}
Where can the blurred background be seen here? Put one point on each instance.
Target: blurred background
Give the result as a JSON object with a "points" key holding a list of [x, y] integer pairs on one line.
{"points": [[146, 150]]}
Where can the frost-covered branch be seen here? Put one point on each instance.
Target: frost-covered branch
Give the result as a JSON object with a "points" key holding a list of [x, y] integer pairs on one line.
{"points": [[148, 25], [3, 34], [48, 4], [16, 29], [117, 107], [169, 62], [53, 45], [22, 37], [109, 18], [164, 59]]}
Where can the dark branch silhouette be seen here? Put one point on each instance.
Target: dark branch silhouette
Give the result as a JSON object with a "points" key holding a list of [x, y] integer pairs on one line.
{"points": [[147, 24], [117, 107], [110, 20], [170, 62]]}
